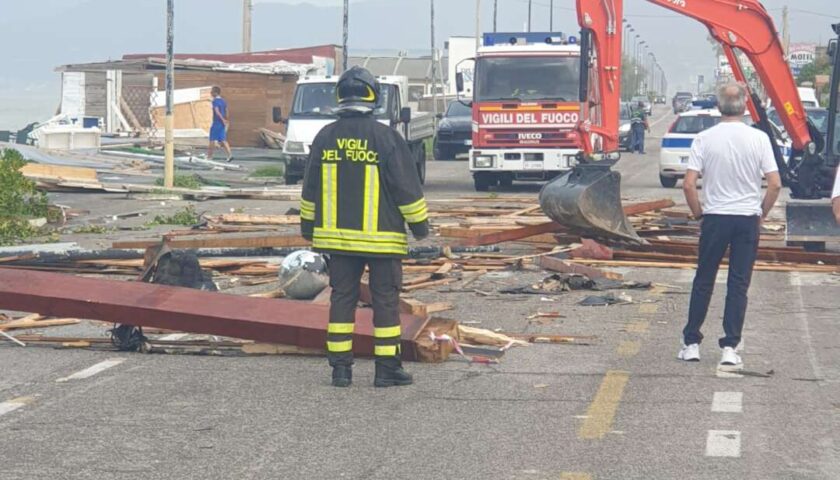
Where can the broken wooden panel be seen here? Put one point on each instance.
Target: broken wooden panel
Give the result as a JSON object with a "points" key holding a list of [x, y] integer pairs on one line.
{"points": [[558, 265], [221, 241], [187, 310]]}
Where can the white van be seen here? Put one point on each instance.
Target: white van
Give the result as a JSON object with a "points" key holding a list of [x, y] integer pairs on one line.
{"points": [[809, 97]]}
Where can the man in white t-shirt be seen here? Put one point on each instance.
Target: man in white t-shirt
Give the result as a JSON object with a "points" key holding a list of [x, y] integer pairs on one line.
{"points": [[732, 158]]}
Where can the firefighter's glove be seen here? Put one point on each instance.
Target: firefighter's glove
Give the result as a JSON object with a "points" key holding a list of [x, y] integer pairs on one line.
{"points": [[419, 230]]}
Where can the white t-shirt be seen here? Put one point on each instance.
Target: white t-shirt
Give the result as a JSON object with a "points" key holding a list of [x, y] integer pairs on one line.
{"points": [[836, 192], [733, 158]]}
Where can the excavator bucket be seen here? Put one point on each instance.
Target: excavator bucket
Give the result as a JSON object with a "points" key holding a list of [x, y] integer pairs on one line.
{"points": [[588, 199]]}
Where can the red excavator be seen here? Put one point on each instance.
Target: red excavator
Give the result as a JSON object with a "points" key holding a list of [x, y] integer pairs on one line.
{"points": [[588, 198]]}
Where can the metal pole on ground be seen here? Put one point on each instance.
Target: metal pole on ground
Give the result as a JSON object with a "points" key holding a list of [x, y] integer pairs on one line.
{"points": [[169, 123]]}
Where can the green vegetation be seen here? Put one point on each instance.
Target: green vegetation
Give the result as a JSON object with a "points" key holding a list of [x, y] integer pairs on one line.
{"points": [[187, 217], [91, 228], [193, 182], [19, 200], [269, 171]]}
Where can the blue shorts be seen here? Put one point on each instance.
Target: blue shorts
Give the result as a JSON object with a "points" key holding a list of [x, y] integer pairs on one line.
{"points": [[218, 133]]}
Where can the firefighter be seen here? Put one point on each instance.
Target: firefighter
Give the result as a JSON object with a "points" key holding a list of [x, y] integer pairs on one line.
{"points": [[360, 189]]}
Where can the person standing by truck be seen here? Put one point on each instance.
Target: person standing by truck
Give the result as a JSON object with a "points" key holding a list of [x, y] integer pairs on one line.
{"points": [[835, 197], [360, 188], [220, 125], [638, 126]]}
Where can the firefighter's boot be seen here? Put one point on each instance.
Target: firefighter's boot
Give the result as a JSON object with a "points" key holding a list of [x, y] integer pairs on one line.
{"points": [[342, 375], [390, 373]]}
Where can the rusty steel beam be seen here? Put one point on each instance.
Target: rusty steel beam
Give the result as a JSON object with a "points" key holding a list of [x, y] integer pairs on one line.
{"points": [[260, 319]]}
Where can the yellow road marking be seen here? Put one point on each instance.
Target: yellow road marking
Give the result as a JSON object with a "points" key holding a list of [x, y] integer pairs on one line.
{"points": [[648, 308], [601, 412], [575, 476], [629, 348], [638, 327]]}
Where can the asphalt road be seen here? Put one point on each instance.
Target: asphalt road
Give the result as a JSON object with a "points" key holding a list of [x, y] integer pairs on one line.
{"points": [[621, 408]]}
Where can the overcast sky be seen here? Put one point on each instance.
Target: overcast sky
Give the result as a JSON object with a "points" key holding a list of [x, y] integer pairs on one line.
{"points": [[39, 35]]}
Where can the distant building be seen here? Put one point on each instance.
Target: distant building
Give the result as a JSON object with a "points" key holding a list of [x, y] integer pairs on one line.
{"points": [[127, 93], [417, 69]]}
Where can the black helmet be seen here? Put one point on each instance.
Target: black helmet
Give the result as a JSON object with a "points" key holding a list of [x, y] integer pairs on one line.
{"points": [[357, 87]]}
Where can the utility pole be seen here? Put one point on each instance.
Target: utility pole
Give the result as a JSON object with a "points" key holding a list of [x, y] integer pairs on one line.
{"points": [[786, 31], [169, 122], [346, 32], [477, 24], [495, 13], [434, 64], [247, 7], [551, 16], [529, 15]]}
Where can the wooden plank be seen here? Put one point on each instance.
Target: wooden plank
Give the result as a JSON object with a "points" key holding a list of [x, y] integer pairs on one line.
{"points": [[643, 207], [219, 241], [513, 235], [29, 322], [247, 219], [59, 172], [562, 266], [761, 266]]}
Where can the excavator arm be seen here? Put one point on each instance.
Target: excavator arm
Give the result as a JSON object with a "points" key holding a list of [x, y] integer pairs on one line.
{"points": [[588, 197]]}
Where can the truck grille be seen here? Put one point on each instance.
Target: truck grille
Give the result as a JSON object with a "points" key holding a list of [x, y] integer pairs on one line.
{"points": [[553, 138]]}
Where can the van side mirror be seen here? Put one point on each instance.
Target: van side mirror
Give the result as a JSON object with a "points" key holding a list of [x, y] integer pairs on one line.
{"points": [[832, 47], [459, 82], [439, 116], [277, 114], [405, 115]]}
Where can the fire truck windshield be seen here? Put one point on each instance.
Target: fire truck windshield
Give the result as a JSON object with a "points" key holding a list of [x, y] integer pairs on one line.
{"points": [[527, 78]]}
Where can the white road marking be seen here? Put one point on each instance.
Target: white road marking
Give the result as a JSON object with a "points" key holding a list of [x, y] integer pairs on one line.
{"points": [[93, 370], [723, 443], [727, 402], [802, 316], [173, 337], [12, 405]]}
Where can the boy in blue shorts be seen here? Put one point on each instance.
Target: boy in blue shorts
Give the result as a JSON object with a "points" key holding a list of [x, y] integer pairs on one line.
{"points": [[221, 123]]}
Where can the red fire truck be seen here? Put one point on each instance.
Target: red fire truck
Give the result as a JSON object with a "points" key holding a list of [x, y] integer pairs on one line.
{"points": [[524, 108]]}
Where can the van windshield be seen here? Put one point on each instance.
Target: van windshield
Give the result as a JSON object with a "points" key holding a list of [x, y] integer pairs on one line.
{"points": [[318, 100]]}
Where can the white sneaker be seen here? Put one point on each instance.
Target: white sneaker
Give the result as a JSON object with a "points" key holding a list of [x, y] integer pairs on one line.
{"points": [[730, 359], [690, 353]]}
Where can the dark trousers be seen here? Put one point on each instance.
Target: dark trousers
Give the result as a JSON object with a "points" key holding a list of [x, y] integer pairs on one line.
{"points": [[740, 234], [385, 283], [637, 138]]}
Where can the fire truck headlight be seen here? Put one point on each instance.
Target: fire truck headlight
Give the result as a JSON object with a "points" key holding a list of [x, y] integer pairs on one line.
{"points": [[483, 161]]}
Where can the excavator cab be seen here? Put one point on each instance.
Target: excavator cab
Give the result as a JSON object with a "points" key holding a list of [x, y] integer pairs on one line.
{"points": [[588, 198]]}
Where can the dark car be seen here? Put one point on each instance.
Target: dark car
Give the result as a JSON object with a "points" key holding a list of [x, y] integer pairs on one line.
{"points": [[454, 132], [624, 127], [682, 101]]}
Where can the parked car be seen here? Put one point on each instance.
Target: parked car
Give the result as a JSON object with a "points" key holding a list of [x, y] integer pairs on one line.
{"points": [[645, 100], [676, 143], [624, 127], [660, 100], [681, 100], [454, 132]]}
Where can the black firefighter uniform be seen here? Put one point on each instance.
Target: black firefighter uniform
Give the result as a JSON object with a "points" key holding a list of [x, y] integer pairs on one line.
{"points": [[360, 189]]}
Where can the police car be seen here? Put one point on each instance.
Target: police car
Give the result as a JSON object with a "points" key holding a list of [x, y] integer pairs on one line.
{"points": [[676, 144]]}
